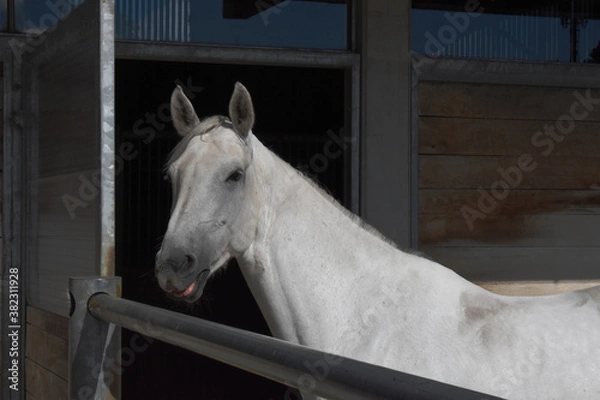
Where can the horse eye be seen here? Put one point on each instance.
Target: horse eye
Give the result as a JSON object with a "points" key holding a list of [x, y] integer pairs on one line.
{"points": [[235, 176], [167, 178]]}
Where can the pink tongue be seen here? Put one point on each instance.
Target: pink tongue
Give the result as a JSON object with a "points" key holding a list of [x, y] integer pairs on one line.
{"points": [[186, 292]]}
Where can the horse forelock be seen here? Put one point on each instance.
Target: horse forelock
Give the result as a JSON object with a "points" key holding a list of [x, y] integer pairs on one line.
{"points": [[205, 126]]}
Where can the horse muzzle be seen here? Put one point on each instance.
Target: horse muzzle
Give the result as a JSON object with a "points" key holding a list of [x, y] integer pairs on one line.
{"points": [[179, 275]]}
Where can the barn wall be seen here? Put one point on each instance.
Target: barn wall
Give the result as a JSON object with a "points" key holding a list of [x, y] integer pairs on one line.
{"points": [[503, 194], [47, 354], [1, 178]]}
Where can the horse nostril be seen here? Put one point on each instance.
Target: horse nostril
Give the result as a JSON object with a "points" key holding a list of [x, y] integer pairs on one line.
{"points": [[189, 261]]}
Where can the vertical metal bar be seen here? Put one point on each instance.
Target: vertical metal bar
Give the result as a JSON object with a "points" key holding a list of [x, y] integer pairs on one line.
{"points": [[546, 35], [107, 138], [133, 19], [158, 176], [152, 21], [168, 21], [555, 29], [189, 10], [181, 20], [515, 36], [486, 43], [145, 19], [526, 30], [138, 216], [469, 42], [517, 42], [573, 33], [148, 148], [506, 39], [162, 11], [171, 18], [414, 158], [352, 25], [353, 130], [93, 343], [584, 31], [10, 15], [176, 21], [128, 185]]}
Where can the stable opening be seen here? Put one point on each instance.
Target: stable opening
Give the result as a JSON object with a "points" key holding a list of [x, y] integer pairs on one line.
{"points": [[298, 110]]}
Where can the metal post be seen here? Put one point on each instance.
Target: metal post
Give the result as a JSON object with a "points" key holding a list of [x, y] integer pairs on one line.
{"points": [[93, 344], [10, 16], [309, 370]]}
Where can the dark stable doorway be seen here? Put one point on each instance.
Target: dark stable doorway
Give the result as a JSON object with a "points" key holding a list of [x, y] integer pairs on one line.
{"points": [[298, 110]]}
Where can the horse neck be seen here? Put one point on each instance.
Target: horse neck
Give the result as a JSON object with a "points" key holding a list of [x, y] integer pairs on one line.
{"points": [[309, 255]]}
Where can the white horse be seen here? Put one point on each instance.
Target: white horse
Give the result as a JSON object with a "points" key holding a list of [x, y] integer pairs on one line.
{"points": [[325, 280]]}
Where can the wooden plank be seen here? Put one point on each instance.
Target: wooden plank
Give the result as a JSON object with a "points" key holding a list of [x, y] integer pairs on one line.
{"points": [[476, 100], [29, 396], [495, 263], [53, 324], [510, 230], [49, 351], [518, 202], [537, 288], [472, 172], [472, 136], [43, 384]]}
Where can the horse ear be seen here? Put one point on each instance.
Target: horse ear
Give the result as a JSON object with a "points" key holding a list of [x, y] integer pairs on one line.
{"points": [[182, 111], [241, 110]]}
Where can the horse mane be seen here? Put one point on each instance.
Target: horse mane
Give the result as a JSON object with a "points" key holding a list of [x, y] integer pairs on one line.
{"points": [[205, 126], [353, 217]]}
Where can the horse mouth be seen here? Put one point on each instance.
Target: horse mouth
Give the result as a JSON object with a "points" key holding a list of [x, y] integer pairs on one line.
{"points": [[194, 290]]}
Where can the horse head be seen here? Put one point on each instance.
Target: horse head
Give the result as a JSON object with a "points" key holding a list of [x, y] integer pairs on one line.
{"points": [[209, 171]]}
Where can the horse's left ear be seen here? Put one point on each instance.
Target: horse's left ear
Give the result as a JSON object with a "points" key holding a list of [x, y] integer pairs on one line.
{"points": [[241, 110]]}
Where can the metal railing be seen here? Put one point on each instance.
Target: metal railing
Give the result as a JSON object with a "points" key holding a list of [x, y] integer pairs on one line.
{"points": [[97, 312]]}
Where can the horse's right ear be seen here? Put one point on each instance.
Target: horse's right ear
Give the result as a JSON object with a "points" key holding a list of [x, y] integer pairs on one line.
{"points": [[182, 111]]}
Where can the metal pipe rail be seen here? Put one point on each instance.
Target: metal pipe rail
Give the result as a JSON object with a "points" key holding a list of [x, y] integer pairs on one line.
{"points": [[306, 369]]}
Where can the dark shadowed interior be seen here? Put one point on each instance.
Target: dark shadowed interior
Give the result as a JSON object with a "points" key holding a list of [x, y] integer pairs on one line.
{"points": [[297, 111]]}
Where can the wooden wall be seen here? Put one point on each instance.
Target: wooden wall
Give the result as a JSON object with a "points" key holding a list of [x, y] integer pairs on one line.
{"points": [[500, 198], [47, 354], [1, 176]]}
